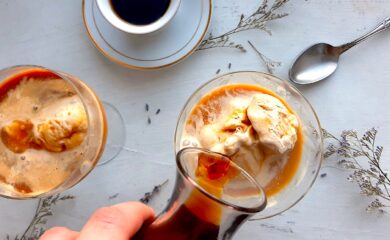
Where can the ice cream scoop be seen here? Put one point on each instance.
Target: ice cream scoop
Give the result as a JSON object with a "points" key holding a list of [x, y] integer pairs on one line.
{"points": [[274, 123], [65, 131]]}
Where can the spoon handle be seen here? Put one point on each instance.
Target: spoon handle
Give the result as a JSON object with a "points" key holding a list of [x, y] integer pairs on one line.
{"points": [[385, 24]]}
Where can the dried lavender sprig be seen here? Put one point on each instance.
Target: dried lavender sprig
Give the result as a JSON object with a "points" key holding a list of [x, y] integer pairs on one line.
{"points": [[113, 196], [148, 196], [44, 210], [257, 20]]}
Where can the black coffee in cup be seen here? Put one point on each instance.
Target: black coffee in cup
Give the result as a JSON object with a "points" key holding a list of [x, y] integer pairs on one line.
{"points": [[140, 12]]}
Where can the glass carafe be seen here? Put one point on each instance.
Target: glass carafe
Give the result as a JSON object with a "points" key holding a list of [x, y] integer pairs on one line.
{"points": [[212, 198]]}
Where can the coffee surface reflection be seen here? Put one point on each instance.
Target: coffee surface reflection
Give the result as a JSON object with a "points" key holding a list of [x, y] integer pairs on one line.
{"points": [[140, 12]]}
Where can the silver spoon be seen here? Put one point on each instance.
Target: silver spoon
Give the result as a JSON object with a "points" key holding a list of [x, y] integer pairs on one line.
{"points": [[320, 60]]}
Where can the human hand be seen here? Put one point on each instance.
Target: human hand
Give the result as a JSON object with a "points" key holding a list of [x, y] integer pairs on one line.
{"points": [[119, 222]]}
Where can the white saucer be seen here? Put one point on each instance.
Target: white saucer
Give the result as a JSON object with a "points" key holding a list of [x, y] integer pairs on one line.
{"points": [[168, 46]]}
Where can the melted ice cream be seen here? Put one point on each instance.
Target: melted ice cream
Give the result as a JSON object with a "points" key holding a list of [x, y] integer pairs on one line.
{"points": [[44, 125], [256, 130]]}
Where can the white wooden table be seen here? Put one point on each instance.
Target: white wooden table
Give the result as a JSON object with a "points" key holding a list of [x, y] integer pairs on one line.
{"points": [[51, 33]]}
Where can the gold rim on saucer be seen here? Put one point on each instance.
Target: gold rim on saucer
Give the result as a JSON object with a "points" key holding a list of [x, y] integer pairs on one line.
{"points": [[113, 59]]}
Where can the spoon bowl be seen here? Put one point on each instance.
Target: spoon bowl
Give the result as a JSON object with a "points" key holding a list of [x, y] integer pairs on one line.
{"points": [[315, 64]]}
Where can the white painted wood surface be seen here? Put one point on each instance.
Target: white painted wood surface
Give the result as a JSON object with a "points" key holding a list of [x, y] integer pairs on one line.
{"points": [[51, 33]]}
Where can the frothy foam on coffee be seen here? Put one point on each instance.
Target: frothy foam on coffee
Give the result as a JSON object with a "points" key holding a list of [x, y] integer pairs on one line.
{"points": [[38, 169]]}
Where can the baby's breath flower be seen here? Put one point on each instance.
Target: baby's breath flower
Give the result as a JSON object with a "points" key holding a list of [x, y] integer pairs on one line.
{"points": [[373, 181]]}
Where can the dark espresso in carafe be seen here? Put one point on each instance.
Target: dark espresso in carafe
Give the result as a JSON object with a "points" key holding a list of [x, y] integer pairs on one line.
{"points": [[140, 12]]}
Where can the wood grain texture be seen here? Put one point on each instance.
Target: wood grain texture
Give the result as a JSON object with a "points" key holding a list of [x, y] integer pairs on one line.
{"points": [[51, 33]]}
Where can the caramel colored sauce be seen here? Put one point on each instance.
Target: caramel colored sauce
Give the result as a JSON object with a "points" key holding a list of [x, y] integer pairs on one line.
{"points": [[288, 172], [17, 136], [211, 103], [13, 81], [22, 187]]}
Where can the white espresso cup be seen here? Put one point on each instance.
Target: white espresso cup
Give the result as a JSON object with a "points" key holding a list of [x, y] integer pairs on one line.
{"points": [[111, 16]]}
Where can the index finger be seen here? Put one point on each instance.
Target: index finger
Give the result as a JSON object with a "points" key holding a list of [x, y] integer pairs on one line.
{"points": [[118, 222]]}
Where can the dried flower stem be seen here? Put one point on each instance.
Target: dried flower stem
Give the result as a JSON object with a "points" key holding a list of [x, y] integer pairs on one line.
{"points": [[257, 20], [44, 210], [148, 196], [372, 180], [269, 63]]}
